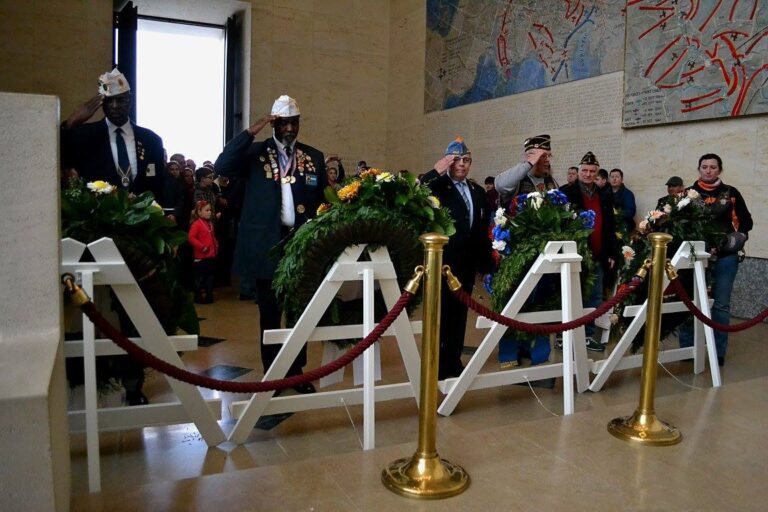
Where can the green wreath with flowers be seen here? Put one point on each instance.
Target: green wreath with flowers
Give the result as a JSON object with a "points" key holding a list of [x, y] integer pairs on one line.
{"points": [[539, 218], [148, 242], [685, 217], [375, 208]]}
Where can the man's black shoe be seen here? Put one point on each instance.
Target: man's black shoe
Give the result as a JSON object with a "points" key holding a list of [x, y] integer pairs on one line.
{"points": [[305, 389], [135, 398], [720, 360]]}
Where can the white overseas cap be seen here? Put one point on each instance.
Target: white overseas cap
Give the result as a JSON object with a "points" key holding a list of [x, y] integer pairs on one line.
{"points": [[113, 83], [285, 106]]}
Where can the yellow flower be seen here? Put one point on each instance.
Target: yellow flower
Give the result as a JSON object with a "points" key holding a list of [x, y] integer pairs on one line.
{"points": [[385, 176], [349, 192], [324, 207], [372, 171], [435, 202], [100, 187]]}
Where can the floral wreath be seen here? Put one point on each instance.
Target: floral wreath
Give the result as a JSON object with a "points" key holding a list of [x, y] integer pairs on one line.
{"points": [[148, 242], [375, 208], [685, 217], [519, 238]]}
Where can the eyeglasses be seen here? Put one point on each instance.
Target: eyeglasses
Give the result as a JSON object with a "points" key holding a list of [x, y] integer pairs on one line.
{"points": [[465, 159]]}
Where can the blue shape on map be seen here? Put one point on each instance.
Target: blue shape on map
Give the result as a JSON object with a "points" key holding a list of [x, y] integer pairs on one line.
{"points": [[440, 14], [584, 63], [483, 88], [527, 75]]}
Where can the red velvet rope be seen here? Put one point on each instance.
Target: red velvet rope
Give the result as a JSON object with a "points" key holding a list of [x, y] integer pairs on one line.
{"points": [[621, 294], [149, 359], [679, 289]]}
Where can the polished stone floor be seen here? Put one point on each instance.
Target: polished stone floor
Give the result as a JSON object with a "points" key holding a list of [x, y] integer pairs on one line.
{"points": [[520, 454]]}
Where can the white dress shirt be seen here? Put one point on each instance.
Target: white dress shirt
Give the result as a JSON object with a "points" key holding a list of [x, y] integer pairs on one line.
{"points": [[287, 213], [130, 144]]}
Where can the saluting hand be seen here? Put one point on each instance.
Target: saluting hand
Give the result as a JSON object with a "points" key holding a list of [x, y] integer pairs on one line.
{"points": [[533, 156], [84, 112], [260, 124], [442, 165]]}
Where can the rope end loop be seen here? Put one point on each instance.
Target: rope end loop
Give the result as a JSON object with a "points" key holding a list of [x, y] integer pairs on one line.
{"points": [[412, 286], [453, 282], [642, 272], [671, 271], [76, 294]]}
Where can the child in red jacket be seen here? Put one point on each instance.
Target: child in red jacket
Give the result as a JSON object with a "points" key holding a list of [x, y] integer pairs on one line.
{"points": [[205, 246]]}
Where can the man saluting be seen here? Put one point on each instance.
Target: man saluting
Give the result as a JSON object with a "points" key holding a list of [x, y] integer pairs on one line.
{"points": [[283, 182]]}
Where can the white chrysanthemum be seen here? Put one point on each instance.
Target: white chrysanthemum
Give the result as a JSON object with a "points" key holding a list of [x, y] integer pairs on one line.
{"points": [[693, 194], [535, 194], [499, 219], [667, 208], [537, 202], [435, 202], [683, 203], [100, 187], [499, 245], [385, 176]]}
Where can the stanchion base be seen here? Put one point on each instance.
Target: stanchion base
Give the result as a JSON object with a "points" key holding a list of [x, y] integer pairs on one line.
{"points": [[425, 478], [644, 429]]}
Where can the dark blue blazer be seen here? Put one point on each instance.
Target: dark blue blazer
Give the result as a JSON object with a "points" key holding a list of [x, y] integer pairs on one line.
{"points": [[260, 228], [86, 148], [469, 249]]}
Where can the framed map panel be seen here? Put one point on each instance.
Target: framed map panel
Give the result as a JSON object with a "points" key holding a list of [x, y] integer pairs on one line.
{"points": [[479, 50], [688, 60]]}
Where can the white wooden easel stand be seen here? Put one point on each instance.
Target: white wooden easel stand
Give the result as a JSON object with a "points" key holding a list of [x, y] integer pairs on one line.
{"points": [[346, 268], [690, 255], [110, 269], [557, 258]]}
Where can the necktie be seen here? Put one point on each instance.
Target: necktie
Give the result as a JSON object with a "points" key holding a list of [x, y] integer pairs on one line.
{"points": [[122, 158], [465, 196]]}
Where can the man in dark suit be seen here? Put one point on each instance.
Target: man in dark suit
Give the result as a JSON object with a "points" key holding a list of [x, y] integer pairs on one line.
{"points": [[126, 155], [115, 149], [283, 182], [584, 194], [468, 250]]}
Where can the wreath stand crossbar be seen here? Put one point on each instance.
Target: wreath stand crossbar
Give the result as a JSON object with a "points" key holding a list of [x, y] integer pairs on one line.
{"points": [[690, 255], [110, 269], [346, 268], [557, 258]]}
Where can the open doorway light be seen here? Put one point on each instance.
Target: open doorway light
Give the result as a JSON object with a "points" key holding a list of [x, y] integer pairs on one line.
{"points": [[180, 90]]}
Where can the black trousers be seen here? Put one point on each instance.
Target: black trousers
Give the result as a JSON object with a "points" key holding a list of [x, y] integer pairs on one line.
{"points": [[204, 272], [453, 322], [270, 314]]}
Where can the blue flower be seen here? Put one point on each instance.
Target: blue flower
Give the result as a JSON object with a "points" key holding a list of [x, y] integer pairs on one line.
{"points": [[557, 197], [487, 283], [587, 219], [520, 200], [499, 233]]}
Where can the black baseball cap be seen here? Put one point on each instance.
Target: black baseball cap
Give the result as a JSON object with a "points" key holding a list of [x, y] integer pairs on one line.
{"points": [[675, 181]]}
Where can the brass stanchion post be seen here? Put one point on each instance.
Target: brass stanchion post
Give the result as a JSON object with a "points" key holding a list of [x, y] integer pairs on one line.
{"points": [[643, 426], [425, 475]]}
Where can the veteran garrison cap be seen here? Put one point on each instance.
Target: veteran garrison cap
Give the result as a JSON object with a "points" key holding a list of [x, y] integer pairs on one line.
{"points": [[538, 142], [457, 147], [589, 159]]}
